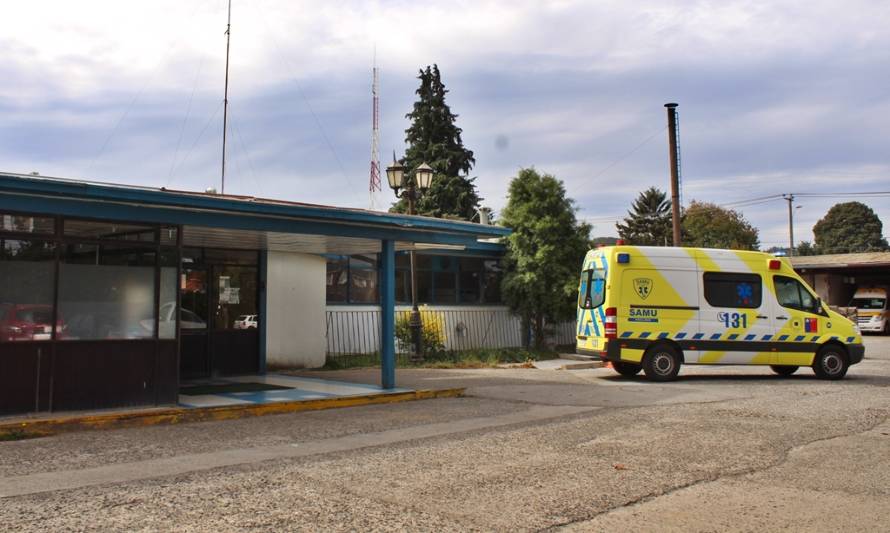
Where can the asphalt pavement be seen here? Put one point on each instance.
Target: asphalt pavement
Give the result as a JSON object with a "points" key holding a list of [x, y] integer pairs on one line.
{"points": [[721, 449]]}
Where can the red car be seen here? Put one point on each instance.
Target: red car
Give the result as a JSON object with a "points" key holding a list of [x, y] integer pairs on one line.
{"points": [[27, 322]]}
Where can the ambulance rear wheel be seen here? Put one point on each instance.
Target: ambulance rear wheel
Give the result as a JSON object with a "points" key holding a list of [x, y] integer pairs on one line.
{"points": [[661, 363], [783, 370], [830, 362], [626, 369]]}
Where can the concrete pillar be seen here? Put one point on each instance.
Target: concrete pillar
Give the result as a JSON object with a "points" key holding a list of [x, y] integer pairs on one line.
{"points": [[387, 287]]}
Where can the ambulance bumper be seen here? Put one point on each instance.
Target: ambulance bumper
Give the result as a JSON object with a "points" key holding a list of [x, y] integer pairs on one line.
{"points": [[856, 352], [611, 353]]}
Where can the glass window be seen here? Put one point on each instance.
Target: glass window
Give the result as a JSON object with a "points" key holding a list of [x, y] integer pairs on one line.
{"points": [[787, 292], [491, 289], [337, 278], [27, 224], [470, 286], [235, 294], [403, 260], [168, 235], [445, 287], [231, 257], [424, 262], [735, 290], [792, 294], [470, 279], [167, 304], [106, 292], [592, 292], [88, 229], [363, 286], [363, 279], [403, 286], [424, 287], [193, 293], [27, 280], [192, 256]]}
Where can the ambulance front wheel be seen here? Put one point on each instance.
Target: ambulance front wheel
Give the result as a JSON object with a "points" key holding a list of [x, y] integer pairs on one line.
{"points": [[626, 369], [661, 363], [830, 362]]}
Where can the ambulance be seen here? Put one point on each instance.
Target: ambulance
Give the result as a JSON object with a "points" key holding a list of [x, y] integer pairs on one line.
{"points": [[656, 308], [872, 309]]}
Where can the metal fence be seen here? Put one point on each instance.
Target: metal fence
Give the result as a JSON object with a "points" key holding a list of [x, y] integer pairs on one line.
{"points": [[357, 331]]}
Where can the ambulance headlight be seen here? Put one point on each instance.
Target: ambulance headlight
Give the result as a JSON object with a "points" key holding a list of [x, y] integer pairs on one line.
{"points": [[876, 318], [856, 329]]}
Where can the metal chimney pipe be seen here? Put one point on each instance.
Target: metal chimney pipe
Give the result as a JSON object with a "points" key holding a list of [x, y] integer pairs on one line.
{"points": [[675, 171]]}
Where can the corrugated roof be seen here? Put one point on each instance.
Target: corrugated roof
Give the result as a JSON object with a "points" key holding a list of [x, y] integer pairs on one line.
{"points": [[866, 259]]}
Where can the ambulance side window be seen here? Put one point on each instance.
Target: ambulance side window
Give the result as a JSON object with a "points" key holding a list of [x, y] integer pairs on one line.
{"points": [[791, 294], [735, 290], [592, 293], [583, 291]]}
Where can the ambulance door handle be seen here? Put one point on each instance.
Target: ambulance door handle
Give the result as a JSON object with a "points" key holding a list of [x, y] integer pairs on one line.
{"points": [[761, 317], [781, 318]]}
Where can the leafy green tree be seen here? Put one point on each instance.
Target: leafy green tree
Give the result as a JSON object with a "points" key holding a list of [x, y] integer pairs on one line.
{"points": [[544, 252], [848, 228], [806, 248], [604, 241], [707, 225], [649, 221], [435, 139]]}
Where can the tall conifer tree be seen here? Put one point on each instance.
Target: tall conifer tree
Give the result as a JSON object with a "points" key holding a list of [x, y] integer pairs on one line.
{"points": [[435, 139]]}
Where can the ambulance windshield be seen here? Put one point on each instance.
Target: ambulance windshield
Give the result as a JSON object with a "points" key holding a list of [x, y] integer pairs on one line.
{"points": [[875, 304]]}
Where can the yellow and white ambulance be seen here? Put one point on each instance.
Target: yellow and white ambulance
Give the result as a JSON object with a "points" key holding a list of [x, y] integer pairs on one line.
{"points": [[872, 309], [655, 308]]}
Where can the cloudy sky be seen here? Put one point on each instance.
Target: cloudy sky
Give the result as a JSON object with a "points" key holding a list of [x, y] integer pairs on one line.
{"points": [[775, 96]]}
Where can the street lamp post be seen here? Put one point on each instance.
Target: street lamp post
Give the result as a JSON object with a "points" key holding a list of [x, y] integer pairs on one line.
{"points": [[413, 190]]}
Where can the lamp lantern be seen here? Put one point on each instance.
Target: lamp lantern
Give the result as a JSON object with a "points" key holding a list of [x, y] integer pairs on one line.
{"points": [[423, 176], [395, 174]]}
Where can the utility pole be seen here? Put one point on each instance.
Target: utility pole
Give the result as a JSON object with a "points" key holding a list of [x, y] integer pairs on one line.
{"points": [[790, 199], [226, 99], [675, 170]]}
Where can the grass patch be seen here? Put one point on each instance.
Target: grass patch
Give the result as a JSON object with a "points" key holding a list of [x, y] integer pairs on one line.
{"points": [[13, 435], [482, 358]]}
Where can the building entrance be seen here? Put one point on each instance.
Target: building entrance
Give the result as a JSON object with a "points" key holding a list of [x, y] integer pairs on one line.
{"points": [[219, 316]]}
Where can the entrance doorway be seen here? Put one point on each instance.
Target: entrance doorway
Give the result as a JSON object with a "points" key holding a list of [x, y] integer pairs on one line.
{"points": [[219, 316]]}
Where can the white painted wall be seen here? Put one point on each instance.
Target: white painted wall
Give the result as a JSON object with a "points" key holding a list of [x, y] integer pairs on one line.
{"points": [[295, 310]]}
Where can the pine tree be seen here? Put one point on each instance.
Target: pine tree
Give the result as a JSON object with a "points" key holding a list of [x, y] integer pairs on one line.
{"points": [[649, 221], [435, 139]]}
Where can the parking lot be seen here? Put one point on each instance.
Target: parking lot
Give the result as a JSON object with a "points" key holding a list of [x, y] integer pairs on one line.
{"points": [[722, 448]]}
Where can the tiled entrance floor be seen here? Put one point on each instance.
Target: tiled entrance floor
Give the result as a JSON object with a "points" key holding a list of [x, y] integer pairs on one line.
{"points": [[299, 388]]}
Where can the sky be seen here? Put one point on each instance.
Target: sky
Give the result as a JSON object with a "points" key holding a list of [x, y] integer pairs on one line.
{"points": [[774, 97]]}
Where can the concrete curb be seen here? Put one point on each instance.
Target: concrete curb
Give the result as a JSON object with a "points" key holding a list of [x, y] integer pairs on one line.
{"points": [[43, 427]]}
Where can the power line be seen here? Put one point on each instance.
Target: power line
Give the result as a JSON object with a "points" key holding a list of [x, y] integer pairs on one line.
{"points": [[188, 112], [207, 125], [628, 154], [142, 89], [293, 79]]}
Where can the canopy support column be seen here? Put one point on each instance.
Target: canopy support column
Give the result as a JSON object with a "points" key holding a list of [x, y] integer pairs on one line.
{"points": [[388, 314]]}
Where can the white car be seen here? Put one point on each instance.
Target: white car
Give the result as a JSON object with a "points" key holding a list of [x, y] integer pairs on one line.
{"points": [[167, 321], [245, 322]]}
